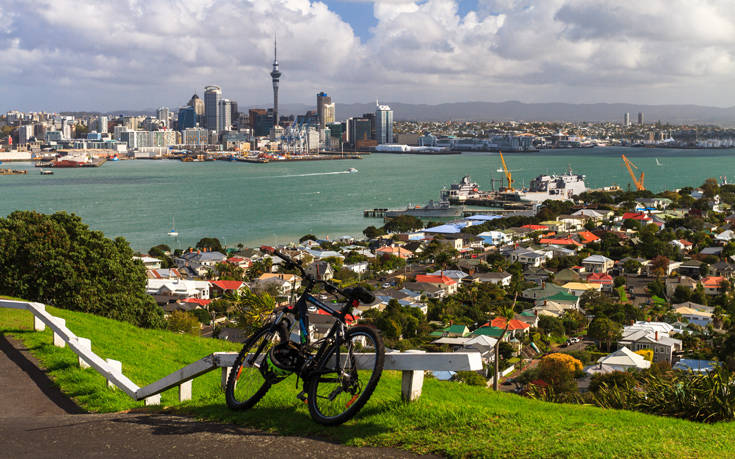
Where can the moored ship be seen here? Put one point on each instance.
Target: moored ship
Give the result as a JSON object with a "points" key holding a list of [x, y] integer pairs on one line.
{"points": [[433, 209]]}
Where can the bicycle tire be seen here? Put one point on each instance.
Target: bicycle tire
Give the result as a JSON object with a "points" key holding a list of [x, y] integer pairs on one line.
{"points": [[235, 400], [356, 396]]}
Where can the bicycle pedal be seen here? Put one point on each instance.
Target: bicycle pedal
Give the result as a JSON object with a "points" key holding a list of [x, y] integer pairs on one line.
{"points": [[302, 396]]}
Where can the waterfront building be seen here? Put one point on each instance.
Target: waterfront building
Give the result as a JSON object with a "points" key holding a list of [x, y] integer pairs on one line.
{"points": [[102, 122], [162, 114], [195, 136], [359, 132], [383, 124], [261, 121], [25, 134], [187, 118], [144, 139], [626, 119], [324, 109], [225, 115], [198, 105], [640, 118], [275, 78], [212, 97]]}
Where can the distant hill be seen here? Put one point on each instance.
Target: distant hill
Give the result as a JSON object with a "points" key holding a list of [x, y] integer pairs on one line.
{"points": [[515, 111], [519, 111]]}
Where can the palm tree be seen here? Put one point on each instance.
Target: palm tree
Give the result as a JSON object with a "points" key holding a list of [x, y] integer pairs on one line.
{"points": [[254, 309], [507, 313]]}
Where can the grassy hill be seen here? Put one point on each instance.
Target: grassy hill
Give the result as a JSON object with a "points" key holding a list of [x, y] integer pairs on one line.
{"points": [[449, 419]]}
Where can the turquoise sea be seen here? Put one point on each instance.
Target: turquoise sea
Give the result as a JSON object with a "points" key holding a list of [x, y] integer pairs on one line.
{"points": [[278, 202]]}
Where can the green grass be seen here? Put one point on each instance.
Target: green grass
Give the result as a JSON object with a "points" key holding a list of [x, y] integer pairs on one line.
{"points": [[449, 418]]}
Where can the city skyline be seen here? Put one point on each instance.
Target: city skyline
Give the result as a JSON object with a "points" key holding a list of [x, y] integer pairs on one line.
{"points": [[64, 55]]}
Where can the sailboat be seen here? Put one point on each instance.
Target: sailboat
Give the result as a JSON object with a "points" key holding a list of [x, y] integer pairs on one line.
{"points": [[658, 163], [173, 232]]}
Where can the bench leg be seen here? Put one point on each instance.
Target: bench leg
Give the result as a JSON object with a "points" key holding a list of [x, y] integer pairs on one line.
{"points": [[185, 391], [411, 384], [225, 376]]}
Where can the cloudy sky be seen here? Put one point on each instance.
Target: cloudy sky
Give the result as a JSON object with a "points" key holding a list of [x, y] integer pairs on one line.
{"points": [[137, 54]]}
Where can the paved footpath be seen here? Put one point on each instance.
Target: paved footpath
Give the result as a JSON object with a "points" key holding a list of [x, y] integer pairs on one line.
{"points": [[38, 421]]}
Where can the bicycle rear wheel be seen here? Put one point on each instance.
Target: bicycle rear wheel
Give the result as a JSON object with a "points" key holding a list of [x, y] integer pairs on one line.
{"points": [[338, 390], [249, 380]]}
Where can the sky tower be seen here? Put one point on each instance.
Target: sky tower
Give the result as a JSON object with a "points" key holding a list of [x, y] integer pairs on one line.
{"points": [[275, 76]]}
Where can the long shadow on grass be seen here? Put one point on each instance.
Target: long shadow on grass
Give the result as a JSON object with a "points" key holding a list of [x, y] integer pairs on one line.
{"points": [[289, 421], [286, 421], [37, 375]]}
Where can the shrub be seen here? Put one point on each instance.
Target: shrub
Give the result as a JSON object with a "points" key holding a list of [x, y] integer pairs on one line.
{"points": [[646, 353], [470, 378]]}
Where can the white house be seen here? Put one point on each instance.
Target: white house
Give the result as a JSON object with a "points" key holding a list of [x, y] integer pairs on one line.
{"points": [[167, 290], [496, 238], [597, 264], [149, 262], [624, 359]]}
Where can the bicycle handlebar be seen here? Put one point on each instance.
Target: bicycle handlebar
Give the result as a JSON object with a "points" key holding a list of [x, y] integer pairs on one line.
{"points": [[356, 293]]}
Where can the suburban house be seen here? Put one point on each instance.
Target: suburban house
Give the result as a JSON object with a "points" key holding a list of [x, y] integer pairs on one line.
{"points": [[684, 281], [361, 267], [537, 275], [452, 331], [453, 274], [284, 283], [498, 278], [682, 245], [623, 360], [425, 288], [694, 313], [496, 238], [654, 336], [691, 268], [199, 262], [220, 287], [724, 237], [149, 262], [170, 290], [712, 284], [529, 257], [394, 251], [445, 283], [163, 273], [603, 279], [580, 288], [567, 275], [320, 270], [592, 214], [546, 290], [722, 268], [597, 264]]}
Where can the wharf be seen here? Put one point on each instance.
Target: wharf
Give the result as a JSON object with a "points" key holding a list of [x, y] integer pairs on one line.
{"points": [[13, 172]]}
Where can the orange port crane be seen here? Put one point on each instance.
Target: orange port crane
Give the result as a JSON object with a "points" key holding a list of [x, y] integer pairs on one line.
{"points": [[638, 181], [507, 172]]}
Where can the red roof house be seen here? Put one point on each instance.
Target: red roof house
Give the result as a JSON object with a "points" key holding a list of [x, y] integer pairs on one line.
{"points": [[223, 286]]}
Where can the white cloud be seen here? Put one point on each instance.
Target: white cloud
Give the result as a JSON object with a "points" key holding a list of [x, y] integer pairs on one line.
{"points": [[136, 53]]}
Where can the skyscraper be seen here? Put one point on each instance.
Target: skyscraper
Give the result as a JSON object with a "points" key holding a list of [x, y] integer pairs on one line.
{"points": [[383, 124], [640, 118], [626, 119], [198, 105], [225, 115], [212, 96], [162, 114], [187, 118], [322, 100], [275, 77], [102, 124]]}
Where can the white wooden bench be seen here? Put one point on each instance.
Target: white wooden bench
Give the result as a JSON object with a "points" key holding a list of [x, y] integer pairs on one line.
{"points": [[411, 363]]}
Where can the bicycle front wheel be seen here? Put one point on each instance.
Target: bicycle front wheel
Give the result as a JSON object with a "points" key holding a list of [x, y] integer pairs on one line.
{"points": [[248, 381], [338, 390]]}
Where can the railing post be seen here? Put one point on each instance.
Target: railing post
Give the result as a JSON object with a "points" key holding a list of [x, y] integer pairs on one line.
{"points": [[84, 343], [185, 391], [412, 381], [153, 400], [58, 340], [225, 376], [115, 367], [38, 324]]}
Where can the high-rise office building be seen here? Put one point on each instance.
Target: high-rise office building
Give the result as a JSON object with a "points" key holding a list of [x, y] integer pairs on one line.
{"points": [[162, 114], [383, 124], [626, 119], [640, 118], [324, 108], [212, 96], [225, 115], [198, 105], [187, 118], [275, 78]]}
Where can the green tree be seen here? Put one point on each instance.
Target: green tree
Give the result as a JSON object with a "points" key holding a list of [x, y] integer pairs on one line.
{"points": [[56, 259], [253, 309], [403, 224], [184, 322], [605, 330], [372, 232], [80, 130], [210, 243], [307, 237], [228, 271]]}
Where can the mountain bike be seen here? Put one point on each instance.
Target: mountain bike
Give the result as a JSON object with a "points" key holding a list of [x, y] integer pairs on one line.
{"points": [[339, 370]]}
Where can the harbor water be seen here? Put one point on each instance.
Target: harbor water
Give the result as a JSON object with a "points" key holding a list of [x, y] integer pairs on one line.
{"points": [[281, 201]]}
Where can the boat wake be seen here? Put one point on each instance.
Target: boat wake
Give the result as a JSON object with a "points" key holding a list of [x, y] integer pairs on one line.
{"points": [[307, 175]]}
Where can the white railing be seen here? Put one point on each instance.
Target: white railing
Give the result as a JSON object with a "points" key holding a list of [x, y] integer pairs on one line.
{"points": [[412, 364]]}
